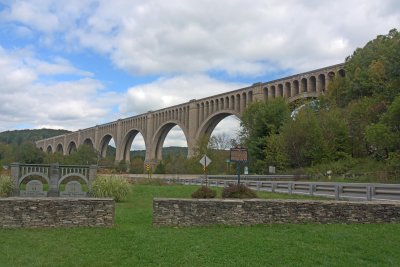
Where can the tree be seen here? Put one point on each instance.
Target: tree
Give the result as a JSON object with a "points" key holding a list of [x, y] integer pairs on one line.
{"points": [[303, 140], [260, 120], [335, 133], [220, 142], [275, 152], [381, 140], [84, 155], [371, 71]]}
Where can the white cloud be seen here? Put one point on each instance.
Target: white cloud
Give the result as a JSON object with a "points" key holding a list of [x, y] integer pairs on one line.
{"points": [[166, 92], [28, 101], [159, 37]]}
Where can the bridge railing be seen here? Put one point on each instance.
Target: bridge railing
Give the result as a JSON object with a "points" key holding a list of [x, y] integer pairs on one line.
{"points": [[338, 191]]}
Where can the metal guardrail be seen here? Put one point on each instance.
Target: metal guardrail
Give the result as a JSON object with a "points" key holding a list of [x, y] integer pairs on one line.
{"points": [[259, 177], [339, 191]]}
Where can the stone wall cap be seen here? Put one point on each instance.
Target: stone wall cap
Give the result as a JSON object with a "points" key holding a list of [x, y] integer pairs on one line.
{"points": [[55, 199], [395, 203]]}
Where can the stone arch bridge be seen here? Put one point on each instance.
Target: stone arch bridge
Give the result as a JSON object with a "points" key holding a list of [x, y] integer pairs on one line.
{"points": [[196, 117]]}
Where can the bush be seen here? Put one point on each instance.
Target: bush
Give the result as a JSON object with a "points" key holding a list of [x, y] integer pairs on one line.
{"points": [[204, 192], [6, 186], [238, 191], [110, 186]]}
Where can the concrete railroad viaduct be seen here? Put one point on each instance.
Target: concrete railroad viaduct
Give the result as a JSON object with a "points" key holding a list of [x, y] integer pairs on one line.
{"points": [[195, 118]]}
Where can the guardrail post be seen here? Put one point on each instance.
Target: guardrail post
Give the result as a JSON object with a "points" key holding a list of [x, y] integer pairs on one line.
{"points": [[337, 192], [258, 185], [312, 189], [290, 188], [273, 187], [369, 192]]}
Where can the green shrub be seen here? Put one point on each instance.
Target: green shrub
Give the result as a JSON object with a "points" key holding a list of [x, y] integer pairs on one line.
{"points": [[110, 186], [6, 186], [204, 192], [238, 191]]}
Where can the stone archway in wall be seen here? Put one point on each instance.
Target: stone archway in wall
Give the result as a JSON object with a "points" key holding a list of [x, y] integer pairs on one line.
{"points": [[127, 143], [88, 142], [159, 138], [105, 141], [72, 147], [207, 128], [49, 149], [60, 149]]}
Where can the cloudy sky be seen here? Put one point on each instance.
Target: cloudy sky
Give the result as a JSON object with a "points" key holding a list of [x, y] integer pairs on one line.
{"points": [[74, 64]]}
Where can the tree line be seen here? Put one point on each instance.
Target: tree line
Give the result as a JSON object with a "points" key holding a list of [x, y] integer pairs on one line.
{"points": [[357, 118]]}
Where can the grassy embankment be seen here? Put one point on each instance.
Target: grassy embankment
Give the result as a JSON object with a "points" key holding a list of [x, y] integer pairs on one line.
{"points": [[135, 242]]}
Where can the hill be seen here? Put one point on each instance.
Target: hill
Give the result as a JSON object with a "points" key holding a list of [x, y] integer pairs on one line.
{"points": [[17, 137]]}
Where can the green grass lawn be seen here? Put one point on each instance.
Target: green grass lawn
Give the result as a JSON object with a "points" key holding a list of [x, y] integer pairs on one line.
{"points": [[135, 242]]}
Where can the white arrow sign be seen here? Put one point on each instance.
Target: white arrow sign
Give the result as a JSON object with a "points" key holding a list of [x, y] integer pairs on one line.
{"points": [[205, 161]]}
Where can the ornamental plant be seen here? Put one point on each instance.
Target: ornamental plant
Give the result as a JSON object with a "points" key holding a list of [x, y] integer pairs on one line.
{"points": [[6, 186], [238, 191], [111, 186], [204, 192]]}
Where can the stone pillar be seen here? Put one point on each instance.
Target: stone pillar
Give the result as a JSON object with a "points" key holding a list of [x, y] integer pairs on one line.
{"points": [[96, 139], [54, 177], [79, 141], [118, 143], [92, 176], [15, 173], [258, 93], [148, 139], [192, 127], [65, 147]]}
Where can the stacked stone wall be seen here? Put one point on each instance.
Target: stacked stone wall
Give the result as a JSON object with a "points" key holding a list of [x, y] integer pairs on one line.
{"points": [[199, 212], [56, 212]]}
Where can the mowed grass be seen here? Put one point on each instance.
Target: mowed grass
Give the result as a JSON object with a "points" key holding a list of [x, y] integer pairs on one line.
{"points": [[135, 242]]}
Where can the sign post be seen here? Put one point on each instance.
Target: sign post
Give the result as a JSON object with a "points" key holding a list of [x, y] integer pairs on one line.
{"points": [[148, 170], [238, 155], [205, 161]]}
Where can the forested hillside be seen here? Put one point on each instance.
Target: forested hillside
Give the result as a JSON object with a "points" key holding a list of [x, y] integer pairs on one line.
{"points": [[18, 145], [17, 137]]}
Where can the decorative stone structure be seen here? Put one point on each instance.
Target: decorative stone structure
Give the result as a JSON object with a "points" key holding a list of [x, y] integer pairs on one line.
{"points": [[196, 118], [199, 212], [56, 212], [53, 175]]}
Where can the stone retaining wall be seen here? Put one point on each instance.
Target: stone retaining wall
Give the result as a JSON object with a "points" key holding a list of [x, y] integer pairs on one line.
{"points": [[56, 212], [197, 212]]}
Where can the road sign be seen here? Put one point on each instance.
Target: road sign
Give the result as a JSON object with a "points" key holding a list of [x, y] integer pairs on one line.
{"points": [[238, 154], [205, 161]]}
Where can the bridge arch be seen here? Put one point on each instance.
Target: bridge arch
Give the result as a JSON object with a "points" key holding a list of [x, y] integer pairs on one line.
{"points": [[296, 89], [208, 126], [127, 143], [89, 142], [104, 141], [49, 149], [72, 147], [160, 135], [321, 83], [59, 148], [313, 84], [42, 175], [72, 175]]}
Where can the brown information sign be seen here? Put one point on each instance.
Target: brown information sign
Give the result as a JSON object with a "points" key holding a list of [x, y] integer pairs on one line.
{"points": [[239, 154]]}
